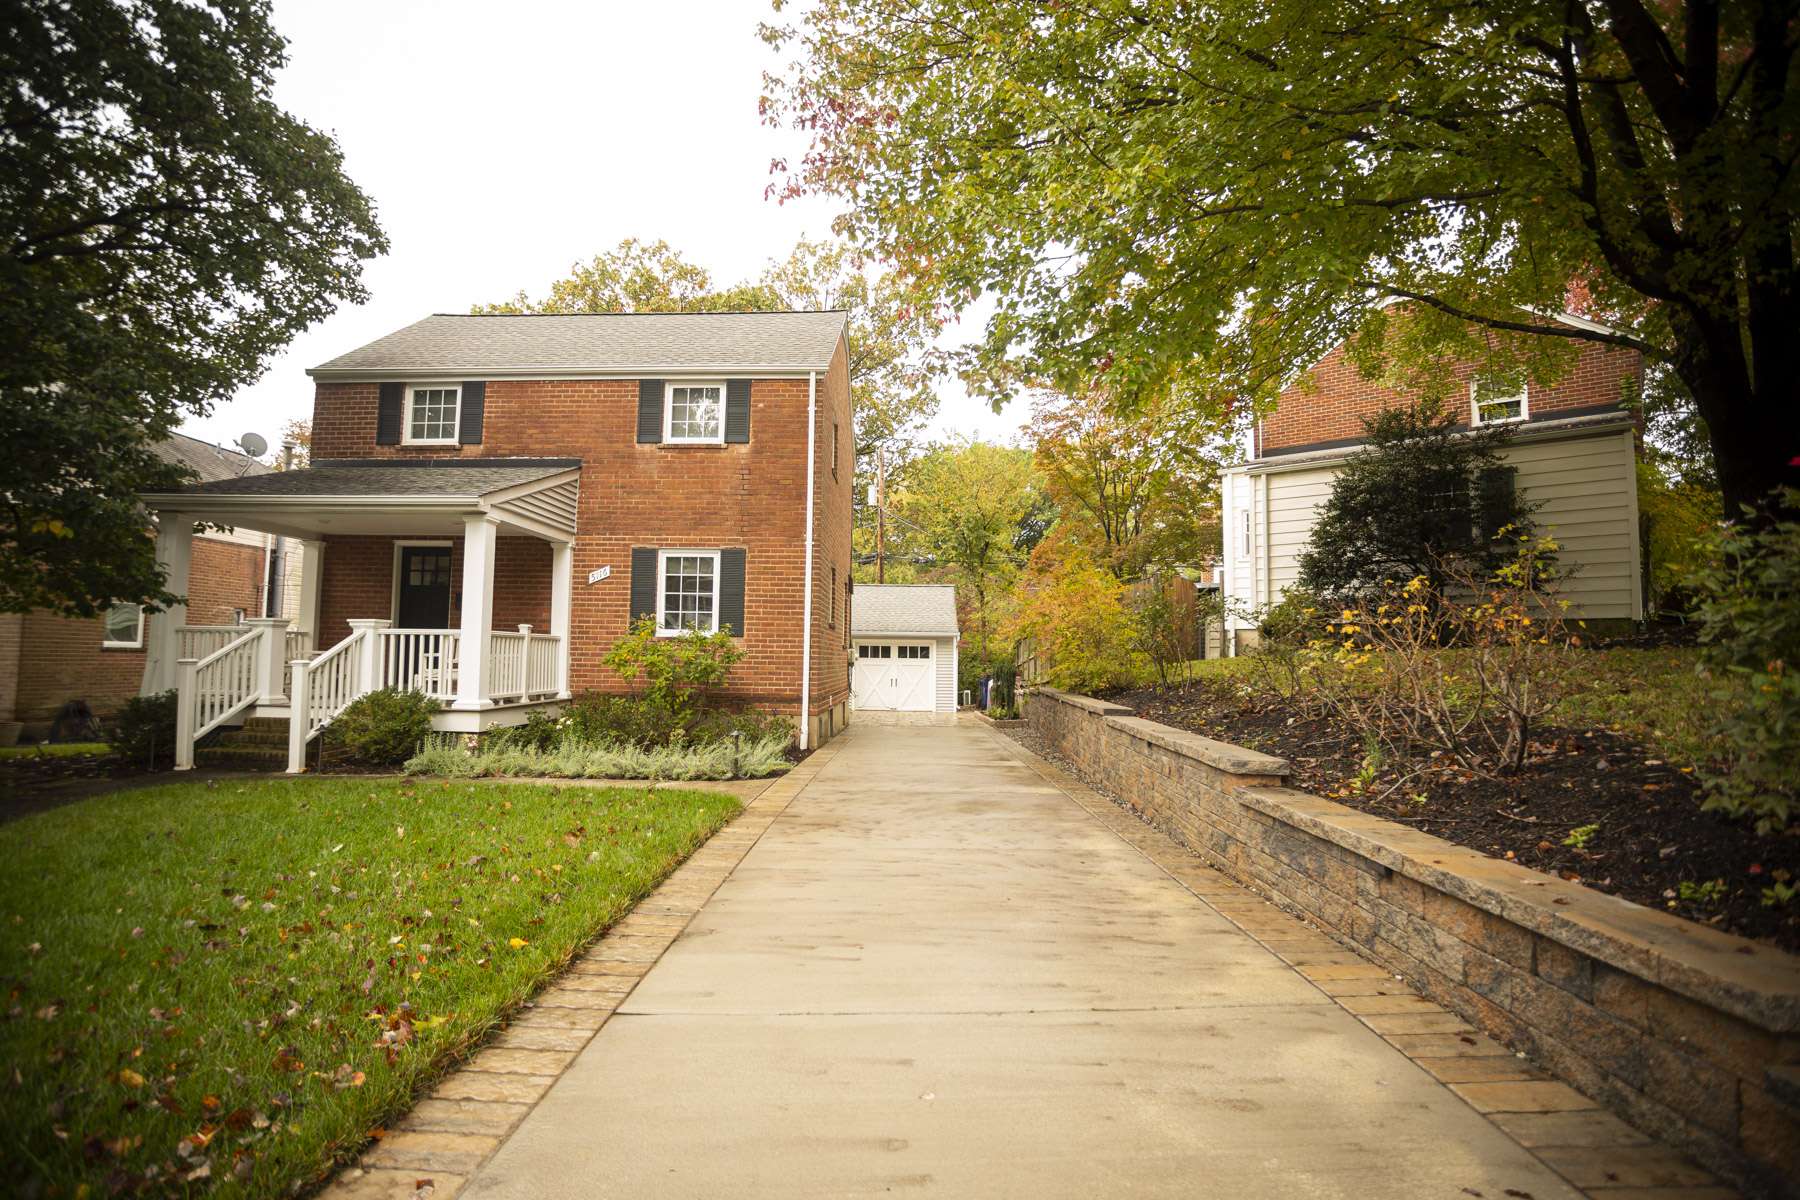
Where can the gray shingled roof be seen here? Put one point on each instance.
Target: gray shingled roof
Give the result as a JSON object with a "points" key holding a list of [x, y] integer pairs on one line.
{"points": [[378, 477], [601, 342], [920, 609], [206, 460]]}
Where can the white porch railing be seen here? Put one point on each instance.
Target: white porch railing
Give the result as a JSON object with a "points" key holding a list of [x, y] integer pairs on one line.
{"points": [[214, 688], [524, 665], [422, 660], [198, 641]]}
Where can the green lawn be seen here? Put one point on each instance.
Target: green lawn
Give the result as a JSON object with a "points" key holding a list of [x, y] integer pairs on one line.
{"points": [[55, 750], [243, 979]]}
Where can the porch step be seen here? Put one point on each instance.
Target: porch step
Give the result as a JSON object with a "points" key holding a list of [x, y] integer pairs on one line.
{"points": [[240, 757], [258, 742]]}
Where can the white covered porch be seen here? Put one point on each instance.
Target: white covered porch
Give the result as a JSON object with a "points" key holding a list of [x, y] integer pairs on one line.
{"points": [[275, 667]]}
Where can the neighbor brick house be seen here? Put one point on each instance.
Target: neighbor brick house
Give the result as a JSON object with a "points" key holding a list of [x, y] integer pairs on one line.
{"points": [[492, 501], [47, 660], [1573, 452]]}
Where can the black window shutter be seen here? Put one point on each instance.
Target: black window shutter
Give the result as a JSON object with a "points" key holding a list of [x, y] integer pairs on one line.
{"points": [[650, 410], [731, 590], [737, 410], [388, 414], [474, 405], [643, 583]]}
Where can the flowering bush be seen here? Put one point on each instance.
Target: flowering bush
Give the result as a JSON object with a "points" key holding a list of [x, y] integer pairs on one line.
{"points": [[1466, 672]]}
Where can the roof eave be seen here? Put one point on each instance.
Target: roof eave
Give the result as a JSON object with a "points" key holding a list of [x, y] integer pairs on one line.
{"points": [[330, 374]]}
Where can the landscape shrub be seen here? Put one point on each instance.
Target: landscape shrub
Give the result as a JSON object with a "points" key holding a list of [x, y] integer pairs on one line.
{"points": [[540, 731], [1467, 673], [750, 724], [1286, 632], [673, 675], [574, 759], [1749, 610], [1158, 623], [597, 717], [143, 733], [383, 728]]}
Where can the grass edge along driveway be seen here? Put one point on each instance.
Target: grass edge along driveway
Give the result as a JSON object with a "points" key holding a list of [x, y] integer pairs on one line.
{"points": [[224, 987]]}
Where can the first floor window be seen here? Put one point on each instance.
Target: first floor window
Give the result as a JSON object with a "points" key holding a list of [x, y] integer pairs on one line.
{"points": [[431, 414], [124, 626], [1497, 403], [688, 591], [696, 412]]}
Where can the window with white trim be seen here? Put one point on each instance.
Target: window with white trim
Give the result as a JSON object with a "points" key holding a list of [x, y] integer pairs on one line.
{"points": [[914, 651], [687, 591], [1495, 403], [431, 414], [694, 412], [124, 627]]}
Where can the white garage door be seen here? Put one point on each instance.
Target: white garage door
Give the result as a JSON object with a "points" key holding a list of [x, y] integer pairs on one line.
{"points": [[896, 676]]}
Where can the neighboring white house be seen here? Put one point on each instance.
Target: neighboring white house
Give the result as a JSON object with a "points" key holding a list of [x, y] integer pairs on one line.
{"points": [[904, 637], [1573, 452]]}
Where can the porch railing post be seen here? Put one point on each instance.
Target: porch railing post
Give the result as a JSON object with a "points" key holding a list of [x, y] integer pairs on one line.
{"points": [[368, 671], [299, 704], [271, 652], [187, 681]]}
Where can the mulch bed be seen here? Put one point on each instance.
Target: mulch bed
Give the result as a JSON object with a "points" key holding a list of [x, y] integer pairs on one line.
{"points": [[1652, 838], [31, 784]]}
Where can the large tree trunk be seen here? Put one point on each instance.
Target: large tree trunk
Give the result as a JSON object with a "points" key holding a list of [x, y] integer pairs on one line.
{"points": [[1753, 417]]}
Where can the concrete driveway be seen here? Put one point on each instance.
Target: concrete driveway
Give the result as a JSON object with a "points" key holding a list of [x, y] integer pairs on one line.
{"points": [[938, 973]]}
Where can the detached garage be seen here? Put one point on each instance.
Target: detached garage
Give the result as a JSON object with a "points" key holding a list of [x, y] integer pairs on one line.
{"points": [[904, 637]]}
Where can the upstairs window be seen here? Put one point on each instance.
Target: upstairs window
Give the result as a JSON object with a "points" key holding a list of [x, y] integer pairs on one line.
{"points": [[431, 414], [687, 594], [1496, 403], [695, 412], [124, 627]]}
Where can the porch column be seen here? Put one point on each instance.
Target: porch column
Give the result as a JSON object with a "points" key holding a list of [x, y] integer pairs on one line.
{"points": [[562, 583], [312, 570], [480, 533], [175, 554]]}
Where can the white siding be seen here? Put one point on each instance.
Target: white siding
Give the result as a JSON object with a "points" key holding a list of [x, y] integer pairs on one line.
{"points": [[945, 652], [1586, 488]]}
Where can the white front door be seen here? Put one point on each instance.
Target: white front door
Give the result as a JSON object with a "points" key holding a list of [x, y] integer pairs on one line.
{"points": [[893, 676]]}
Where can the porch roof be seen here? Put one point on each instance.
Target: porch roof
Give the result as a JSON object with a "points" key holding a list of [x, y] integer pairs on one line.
{"points": [[537, 495]]}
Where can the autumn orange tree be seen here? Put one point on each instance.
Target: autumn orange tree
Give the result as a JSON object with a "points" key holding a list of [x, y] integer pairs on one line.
{"points": [[1137, 492]]}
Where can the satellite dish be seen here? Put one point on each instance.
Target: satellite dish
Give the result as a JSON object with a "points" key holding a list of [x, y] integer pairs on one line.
{"points": [[253, 444]]}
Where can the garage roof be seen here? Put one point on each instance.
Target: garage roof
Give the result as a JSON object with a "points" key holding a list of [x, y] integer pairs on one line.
{"points": [[903, 610]]}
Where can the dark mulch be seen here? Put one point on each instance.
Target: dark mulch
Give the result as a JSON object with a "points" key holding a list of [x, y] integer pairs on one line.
{"points": [[1652, 836], [29, 784]]}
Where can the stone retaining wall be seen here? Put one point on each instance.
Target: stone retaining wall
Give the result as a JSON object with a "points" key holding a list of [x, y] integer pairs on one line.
{"points": [[1690, 1034]]}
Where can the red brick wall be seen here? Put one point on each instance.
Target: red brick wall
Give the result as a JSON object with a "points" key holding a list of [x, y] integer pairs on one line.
{"points": [[61, 658], [358, 582], [1329, 404], [749, 495]]}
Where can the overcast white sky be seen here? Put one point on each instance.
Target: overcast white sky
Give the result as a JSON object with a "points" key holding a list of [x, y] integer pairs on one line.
{"points": [[501, 143]]}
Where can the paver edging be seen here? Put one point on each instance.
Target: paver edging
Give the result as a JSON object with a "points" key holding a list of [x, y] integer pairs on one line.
{"points": [[437, 1146], [1682, 1029]]}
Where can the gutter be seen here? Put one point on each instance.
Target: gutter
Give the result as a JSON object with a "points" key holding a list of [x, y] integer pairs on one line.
{"points": [[812, 437], [1527, 431], [661, 371]]}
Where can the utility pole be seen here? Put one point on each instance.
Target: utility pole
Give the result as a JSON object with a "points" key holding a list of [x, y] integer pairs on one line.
{"points": [[880, 516]]}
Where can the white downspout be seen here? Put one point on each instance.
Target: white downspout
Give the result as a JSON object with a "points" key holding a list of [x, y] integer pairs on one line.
{"points": [[812, 431]]}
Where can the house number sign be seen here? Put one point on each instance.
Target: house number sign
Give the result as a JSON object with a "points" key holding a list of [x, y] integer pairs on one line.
{"points": [[599, 573]]}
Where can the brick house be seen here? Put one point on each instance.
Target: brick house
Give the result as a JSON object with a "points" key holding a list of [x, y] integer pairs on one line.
{"points": [[47, 659], [1573, 451], [492, 501]]}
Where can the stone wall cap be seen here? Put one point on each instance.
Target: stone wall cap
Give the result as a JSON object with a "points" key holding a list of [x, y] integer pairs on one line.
{"points": [[1102, 708], [1224, 756], [1759, 983]]}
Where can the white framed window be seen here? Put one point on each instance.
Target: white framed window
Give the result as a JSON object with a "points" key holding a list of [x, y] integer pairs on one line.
{"points": [[915, 651], [1245, 532], [867, 651], [1492, 403], [687, 591], [124, 627], [694, 412], [432, 410]]}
